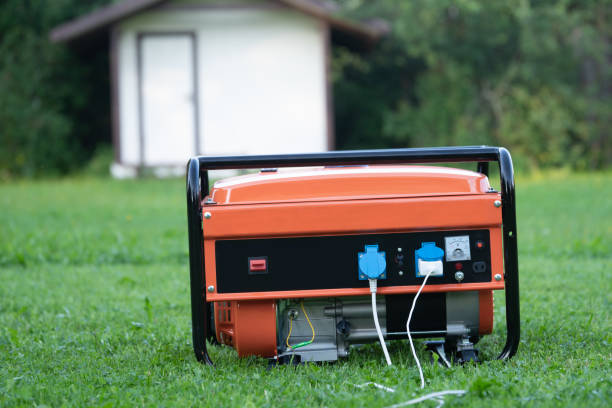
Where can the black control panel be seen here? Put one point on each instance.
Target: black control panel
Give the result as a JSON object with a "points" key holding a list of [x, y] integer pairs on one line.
{"points": [[331, 262]]}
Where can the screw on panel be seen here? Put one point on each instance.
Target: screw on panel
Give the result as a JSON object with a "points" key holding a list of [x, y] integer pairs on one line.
{"points": [[211, 288], [207, 215], [497, 203], [497, 277]]}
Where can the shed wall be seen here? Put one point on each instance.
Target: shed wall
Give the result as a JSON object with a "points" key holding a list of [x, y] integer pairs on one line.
{"points": [[261, 77]]}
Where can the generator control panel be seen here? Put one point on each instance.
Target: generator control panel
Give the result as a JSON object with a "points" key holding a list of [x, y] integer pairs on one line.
{"points": [[332, 262]]}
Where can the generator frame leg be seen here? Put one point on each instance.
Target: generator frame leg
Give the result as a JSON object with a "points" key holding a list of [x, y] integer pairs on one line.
{"points": [[437, 347], [456, 350], [197, 188]]}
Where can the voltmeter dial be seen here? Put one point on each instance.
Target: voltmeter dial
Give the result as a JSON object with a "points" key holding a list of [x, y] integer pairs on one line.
{"points": [[457, 248]]}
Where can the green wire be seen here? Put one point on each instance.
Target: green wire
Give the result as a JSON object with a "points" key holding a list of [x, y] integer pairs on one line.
{"points": [[302, 344]]}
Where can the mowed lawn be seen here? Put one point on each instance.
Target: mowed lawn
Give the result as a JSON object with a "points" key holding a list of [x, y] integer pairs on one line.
{"points": [[94, 309]]}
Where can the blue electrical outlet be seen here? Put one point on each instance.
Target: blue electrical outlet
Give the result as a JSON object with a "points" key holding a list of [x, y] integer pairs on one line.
{"points": [[429, 253], [372, 263]]}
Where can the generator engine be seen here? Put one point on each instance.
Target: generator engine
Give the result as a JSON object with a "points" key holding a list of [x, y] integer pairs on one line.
{"points": [[299, 264]]}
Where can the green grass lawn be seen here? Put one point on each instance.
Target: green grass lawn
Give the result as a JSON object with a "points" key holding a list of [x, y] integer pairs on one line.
{"points": [[94, 309]]}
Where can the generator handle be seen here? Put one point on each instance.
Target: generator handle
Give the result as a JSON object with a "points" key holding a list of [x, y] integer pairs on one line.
{"points": [[354, 157], [198, 182]]}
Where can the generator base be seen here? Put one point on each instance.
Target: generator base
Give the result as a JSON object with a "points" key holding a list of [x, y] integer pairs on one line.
{"points": [[326, 329], [455, 351], [447, 355]]}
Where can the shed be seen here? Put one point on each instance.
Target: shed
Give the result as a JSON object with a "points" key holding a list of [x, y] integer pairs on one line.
{"points": [[217, 77]]}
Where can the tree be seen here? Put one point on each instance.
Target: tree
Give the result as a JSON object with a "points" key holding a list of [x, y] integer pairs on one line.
{"points": [[533, 76], [54, 108]]}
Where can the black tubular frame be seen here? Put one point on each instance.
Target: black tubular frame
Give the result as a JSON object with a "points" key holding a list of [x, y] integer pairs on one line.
{"points": [[198, 187]]}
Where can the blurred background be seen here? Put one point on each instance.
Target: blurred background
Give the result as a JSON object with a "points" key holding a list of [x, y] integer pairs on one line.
{"points": [[94, 292], [88, 85]]}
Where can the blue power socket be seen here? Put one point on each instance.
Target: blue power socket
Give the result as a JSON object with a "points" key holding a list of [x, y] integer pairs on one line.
{"points": [[372, 263], [428, 252]]}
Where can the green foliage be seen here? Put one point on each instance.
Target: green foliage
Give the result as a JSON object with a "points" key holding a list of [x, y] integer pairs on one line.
{"points": [[100, 162], [54, 105], [95, 309], [530, 75]]}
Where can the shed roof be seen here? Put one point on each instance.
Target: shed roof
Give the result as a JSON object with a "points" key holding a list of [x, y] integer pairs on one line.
{"points": [[343, 31]]}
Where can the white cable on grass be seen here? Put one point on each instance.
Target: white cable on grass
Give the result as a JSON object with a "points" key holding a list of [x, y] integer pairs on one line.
{"points": [[433, 395], [408, 328], [373, 286], [379, 386], [436, 396]]}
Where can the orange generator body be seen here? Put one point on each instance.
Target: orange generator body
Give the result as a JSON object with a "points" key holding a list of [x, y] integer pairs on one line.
{"points": [[282, 260]]}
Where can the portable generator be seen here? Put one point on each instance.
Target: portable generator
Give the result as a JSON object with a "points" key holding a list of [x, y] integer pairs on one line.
{"points": [[299, 264]]}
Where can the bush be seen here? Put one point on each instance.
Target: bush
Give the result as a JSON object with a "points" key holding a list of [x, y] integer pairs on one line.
{"points": [[54, 106], [532, 76]]}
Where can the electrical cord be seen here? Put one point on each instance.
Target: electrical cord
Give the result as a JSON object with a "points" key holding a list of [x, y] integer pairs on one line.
{"points": [[304, 343], [373, 286], [408, 328], [436, 396]]}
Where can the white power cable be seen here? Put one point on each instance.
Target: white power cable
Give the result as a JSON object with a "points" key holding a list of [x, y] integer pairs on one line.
{"points": [[436, 396], [408, 328], [373, 285], [379, 386]]}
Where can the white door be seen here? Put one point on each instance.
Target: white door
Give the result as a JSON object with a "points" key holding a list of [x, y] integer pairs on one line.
{"points": [[168, 98]]}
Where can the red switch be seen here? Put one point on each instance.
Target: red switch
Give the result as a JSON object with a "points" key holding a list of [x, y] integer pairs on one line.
{"points": [[258, 264]]}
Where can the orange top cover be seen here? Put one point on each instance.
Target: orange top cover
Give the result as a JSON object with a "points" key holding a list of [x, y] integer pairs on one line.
{"points": [[347, 182]]}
